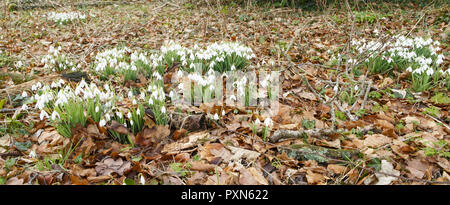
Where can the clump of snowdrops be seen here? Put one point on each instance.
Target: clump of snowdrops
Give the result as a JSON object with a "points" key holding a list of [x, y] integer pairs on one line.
{"points": [[418, 56]]}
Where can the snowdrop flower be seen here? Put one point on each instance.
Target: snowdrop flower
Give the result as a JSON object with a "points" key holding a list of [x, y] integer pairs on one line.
{"points": [[131, 122], [102, 123], [138, 111], [24, 94], [232, 97], [150, 101], [32, 154], [134, 102], [43, 115], [409, 69], [216, 117], [233, 67], [268, 122], [223, 112], [356, 87], [119, 114], [163, 109], [257, 122], [142, 180], [25, 107], [55, 115], [129, 115]]}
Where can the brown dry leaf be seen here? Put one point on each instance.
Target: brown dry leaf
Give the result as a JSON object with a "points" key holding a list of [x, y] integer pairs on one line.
{"points": [[307, 95], [398, 148], [152, 135], [182, 157], [78, 171], [5, 141], [417, 168], [233, 126], [52, 137], [98, 179], [14, 181], [289, 126], [239, 153], [196, 179], [109, 166], [223, 153], [93, 131], [200, 166], [337, 169], [119, 128], [209, 151], [185, 143], [224, 178], [257, 174], [384, 124], [442, 162], [334, 144], [76, 180], [314, 178], [376, 140], [246, 178], [178, 134]]}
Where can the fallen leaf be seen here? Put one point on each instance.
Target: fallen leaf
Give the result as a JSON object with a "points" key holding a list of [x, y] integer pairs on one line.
{"points": [[314, 178], [257, 174], [417, 168], [307, 95], [109, 166], [196, 179], [152, 135], [119, 128], [246, 178], [239, 153], [376, 140], [386, 167], [337, 169], [98, 179], [200, 166], [185, 143], [14, 181]]}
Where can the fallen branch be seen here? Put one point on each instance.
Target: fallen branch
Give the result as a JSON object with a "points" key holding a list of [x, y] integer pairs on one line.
{"points": [[283, 134], [307, 151]]}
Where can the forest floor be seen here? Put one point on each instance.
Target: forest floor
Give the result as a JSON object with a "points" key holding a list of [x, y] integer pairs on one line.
{"points": [[336, 123]]}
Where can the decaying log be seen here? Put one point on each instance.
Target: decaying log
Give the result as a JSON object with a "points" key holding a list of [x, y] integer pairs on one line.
{"points": [[17, 89], [283, 134], [321, 154]]}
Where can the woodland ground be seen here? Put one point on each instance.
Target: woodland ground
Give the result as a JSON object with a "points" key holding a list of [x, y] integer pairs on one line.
{"points": [[391, 135]]}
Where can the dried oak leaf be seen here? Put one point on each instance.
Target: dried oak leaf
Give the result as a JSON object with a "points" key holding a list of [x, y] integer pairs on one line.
{"points": [[337, 169], [376, 140], [196, 179], [94, 132], [109, 166], [314, 178], [152, 135], [417, 168], [14, 181], [185, 143], [200, 166], [119, 128]]}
